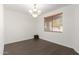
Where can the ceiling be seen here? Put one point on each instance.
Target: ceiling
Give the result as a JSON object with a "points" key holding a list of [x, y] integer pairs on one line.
{"points": [[25, 7]]}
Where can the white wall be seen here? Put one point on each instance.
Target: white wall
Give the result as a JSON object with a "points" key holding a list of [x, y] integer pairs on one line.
{"points": [[18, 26], [1, 29], [64, 38], [76, 28]]}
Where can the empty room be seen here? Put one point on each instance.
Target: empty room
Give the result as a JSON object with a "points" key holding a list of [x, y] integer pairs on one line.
{"points": [[39, 29]]}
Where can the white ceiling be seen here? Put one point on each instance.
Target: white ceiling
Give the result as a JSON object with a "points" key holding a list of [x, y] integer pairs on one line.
{"points": [[25, 7]]}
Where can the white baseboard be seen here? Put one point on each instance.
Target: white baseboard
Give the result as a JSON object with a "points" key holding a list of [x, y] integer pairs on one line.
{"points": [[56, 42], [76, 50], [17, 40]]}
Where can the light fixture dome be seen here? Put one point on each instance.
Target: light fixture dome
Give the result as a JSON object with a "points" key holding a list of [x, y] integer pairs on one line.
{"points": [[35, 12]]}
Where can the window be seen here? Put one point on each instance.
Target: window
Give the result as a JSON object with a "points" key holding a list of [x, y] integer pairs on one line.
{"points": [[53, 23]]}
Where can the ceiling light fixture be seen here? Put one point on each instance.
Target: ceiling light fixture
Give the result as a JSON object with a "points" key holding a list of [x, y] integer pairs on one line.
{"points": [[35, 12]]}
